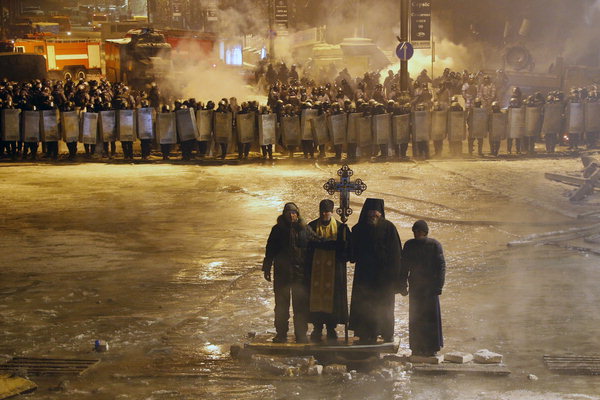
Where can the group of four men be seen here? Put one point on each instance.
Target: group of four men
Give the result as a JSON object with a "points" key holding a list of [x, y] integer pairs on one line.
{"points": [[310, 262]]}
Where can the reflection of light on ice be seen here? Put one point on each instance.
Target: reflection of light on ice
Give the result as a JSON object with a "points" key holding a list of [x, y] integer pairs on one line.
{"points": [[214, 264], [211, 271], [212, 349]]}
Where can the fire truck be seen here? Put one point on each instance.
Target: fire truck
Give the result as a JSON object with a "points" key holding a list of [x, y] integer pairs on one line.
{"points": [[65, 57], [142, 57]]}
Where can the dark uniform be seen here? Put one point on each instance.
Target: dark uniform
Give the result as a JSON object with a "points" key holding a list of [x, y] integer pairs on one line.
{"points": [[286, 250], [423, 270]]}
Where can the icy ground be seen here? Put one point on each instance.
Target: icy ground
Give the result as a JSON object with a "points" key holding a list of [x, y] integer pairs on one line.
{"points": [[163, 262]]}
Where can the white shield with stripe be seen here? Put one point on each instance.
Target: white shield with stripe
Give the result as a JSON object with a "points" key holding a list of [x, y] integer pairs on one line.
{"points": [[516, 123], [11, 125], [291, 130], [319, 129], [338, 125], [49, 126], [186, 124], [126, 125], [267, 129], [89, 128], [401, 128], [246, 127], [382, 128], [223, 127], [204, 122], [70, 125], [166, 128], [145, 123], [108, 126], [31, 126]]}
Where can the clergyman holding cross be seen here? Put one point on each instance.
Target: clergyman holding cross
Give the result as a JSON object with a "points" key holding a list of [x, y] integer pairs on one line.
{"points": [[326, 273]]}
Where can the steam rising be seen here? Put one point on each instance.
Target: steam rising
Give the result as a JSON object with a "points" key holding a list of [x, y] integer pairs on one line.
{"points": [[467, 37]]}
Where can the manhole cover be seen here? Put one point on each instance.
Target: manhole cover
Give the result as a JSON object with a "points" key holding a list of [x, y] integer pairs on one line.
{"points": [[573, 364], [47, 366]]}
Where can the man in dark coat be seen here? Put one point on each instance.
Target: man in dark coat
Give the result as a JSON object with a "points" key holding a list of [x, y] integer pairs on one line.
{"points": [[424, 269], [326, 273], [286, 249], [377, 252]]}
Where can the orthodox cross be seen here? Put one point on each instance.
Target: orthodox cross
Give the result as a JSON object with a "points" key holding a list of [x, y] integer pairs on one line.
{"points": [[345, 187]]}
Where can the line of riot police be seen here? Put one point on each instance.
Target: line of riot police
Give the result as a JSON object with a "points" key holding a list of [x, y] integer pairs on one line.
{"points": [[99, 117]]}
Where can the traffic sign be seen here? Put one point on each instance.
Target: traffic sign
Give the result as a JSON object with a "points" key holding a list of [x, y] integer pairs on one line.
{"points": [[405, 51]]}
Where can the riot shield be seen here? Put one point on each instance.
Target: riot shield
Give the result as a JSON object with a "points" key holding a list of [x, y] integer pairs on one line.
{"points": [[592, 117], [108, 126], [498, 126], [575, 118], [145, 123], [533, 121], [352, 133], [319, 129], [338, 124], [456, 126], [421, 126], [305, 126], [31, 126], [126, 125], [267, 129], [49, 126], [223, 127], [478, 123], [516, 123], [552, 122], [89, 128], [439, 125], [401, 129], [69, 123], [204, 122], [291, 130], [382, 128], [166, 128], [365, 131], [186, 124], [11, 125], [246, 127]]}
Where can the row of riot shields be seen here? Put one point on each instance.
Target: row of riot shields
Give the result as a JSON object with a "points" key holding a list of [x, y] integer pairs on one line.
{"points": [[339, 129]]}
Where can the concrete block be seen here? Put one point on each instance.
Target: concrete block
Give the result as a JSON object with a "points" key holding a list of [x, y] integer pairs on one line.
{"points": [[314, 370], [438, 359], [458, 357], [335, 369], [485, 356], [397, 357]]}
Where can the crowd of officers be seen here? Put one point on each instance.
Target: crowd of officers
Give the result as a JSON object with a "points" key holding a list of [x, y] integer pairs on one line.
{"points": [[373, 122]]}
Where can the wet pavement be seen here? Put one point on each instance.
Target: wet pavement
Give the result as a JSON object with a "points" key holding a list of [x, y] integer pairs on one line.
{"points": [[163, 262]]}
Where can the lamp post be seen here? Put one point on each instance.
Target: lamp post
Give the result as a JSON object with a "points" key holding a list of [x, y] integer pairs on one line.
{"points": [[404, 18]]}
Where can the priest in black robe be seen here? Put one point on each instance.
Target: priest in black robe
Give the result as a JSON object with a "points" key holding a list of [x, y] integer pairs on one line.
{"points": [[377, 252], [423, 271]]}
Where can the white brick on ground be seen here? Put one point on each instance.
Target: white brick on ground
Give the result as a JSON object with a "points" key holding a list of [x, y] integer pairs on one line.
{"points": [[458, 357], [487, 357], [438, 359], [314, 370]]}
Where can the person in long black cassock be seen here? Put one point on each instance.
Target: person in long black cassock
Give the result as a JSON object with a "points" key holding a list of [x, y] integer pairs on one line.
{"points": [[326, 273], [424, 270], [377, 252]]}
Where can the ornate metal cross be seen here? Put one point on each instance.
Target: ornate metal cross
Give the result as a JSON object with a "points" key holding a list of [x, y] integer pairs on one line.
{"points": [[345, 187]]}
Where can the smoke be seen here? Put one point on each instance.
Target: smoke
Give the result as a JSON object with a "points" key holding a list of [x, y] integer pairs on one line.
{"points": [[448, 55], [244, 19], [206, 77], [205, 80]]}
